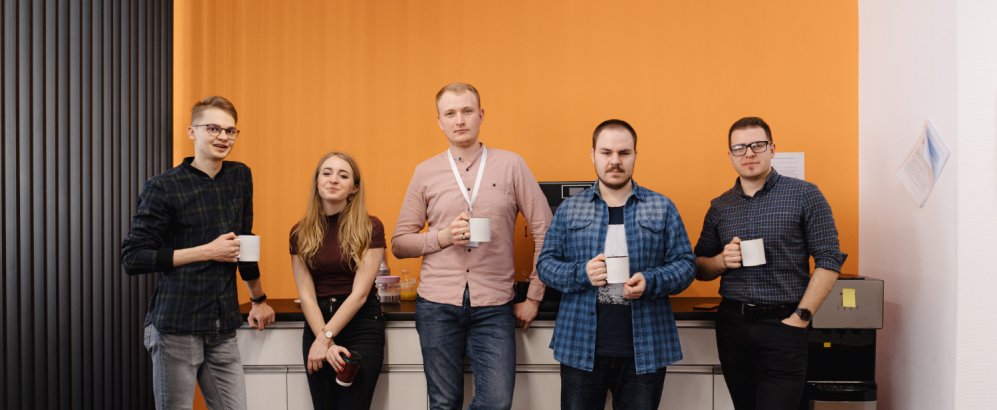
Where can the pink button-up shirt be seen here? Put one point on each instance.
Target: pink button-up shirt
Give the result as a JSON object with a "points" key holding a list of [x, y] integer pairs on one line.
{"points": [[433, 196]]}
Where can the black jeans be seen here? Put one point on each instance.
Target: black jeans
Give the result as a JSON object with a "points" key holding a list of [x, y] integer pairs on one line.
{"points": [[581, 389], [764, 361], [364, 334]]}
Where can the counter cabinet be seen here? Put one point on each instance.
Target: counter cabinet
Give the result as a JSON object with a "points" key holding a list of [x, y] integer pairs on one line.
{"points": [[275, 376]]}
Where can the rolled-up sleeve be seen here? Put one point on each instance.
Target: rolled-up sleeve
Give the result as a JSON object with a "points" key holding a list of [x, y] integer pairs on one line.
{"points": [[821, 232], [248, 270]]}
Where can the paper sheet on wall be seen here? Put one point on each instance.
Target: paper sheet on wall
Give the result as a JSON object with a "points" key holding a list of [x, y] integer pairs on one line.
{"points": [[790, 164], [924, 164]]}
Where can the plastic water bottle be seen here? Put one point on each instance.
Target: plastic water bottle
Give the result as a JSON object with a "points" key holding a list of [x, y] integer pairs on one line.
{"points": [[383, 270]]}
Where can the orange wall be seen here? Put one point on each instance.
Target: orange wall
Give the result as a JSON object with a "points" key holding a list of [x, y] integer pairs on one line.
{"points": [[359, 76]]}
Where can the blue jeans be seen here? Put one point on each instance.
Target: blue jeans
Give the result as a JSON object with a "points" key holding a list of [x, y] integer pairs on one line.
{"points": [[181, 361], [486, 334], [582, 389]]}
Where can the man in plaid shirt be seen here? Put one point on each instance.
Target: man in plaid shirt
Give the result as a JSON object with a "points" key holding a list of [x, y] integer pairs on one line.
{"points": [[766, 309], [616, 337], [185, 227]]}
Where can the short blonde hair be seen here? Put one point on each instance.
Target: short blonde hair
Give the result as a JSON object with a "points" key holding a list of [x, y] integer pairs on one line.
{"points": [[458, 88], [214, 101]]}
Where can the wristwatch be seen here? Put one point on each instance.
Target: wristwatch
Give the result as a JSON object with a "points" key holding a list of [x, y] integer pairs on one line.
{"points": [[259, 299], [328, 334], [804, 314]]}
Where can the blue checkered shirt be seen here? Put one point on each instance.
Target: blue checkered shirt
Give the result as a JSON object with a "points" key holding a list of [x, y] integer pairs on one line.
{"points": [[658, 247], [795, 221]]}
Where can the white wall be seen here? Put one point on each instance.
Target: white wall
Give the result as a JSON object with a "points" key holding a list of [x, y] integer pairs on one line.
{"points": [[922, 59], [976, 362], [907, 73]]}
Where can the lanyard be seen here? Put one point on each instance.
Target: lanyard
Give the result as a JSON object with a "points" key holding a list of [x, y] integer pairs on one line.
{"points": [[477, 180]]}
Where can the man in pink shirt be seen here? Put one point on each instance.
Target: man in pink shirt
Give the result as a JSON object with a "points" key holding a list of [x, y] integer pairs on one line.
{"points": [[466, 289]]}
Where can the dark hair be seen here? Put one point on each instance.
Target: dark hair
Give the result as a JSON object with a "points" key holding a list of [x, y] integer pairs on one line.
{"points": [[613, 123], [749, 122], [215, 101]]}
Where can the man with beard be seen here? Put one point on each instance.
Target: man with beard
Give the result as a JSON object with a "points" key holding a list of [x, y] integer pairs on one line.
{"points": [[615, 336]]}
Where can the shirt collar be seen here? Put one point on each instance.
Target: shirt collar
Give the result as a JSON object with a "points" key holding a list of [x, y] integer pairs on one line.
{"points": [[188, 164], [637, 192], [473, 158], [770, 181]]}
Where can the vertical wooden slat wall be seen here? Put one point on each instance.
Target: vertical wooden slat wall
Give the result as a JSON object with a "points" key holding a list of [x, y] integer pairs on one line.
{"points": [[86, 116]]}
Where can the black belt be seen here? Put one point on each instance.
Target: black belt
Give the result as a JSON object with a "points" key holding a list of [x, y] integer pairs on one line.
{"points": [[756, 310], [333, 302]]}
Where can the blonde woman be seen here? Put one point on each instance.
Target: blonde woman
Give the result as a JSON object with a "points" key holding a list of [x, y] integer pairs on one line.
{"points": [[336, 249]]}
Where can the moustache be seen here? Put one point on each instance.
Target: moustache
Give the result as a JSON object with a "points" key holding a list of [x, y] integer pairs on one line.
{"points": [[614, 168]]}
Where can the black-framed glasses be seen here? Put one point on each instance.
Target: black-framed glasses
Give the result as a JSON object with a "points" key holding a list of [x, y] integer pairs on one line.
{"points": [[757, 147], [215, 130]]}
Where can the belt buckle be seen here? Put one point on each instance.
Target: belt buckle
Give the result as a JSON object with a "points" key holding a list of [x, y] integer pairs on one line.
{"points": [[743, 305]]}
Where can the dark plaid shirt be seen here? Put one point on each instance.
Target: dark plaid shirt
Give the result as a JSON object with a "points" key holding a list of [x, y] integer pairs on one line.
{"points": [[658, 247], [795, 221], [183, 208]]}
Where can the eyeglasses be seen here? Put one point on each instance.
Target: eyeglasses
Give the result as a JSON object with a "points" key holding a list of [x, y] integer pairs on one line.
{"points": [[757, 147], [214, 130]]}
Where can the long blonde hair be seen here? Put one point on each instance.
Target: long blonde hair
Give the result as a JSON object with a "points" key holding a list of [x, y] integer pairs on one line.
{"points": [[354, 223]]}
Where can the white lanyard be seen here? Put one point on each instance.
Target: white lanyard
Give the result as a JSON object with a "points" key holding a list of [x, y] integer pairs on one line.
{"points": [[477, 180]]}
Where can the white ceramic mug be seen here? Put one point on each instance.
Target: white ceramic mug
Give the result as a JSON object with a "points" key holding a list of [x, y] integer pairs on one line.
{"points": [[753, 252], [481, 229], [249, 248], [617, 269]]}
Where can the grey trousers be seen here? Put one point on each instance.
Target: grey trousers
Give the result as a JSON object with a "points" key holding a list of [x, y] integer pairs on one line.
{"points": [[180, 361]]}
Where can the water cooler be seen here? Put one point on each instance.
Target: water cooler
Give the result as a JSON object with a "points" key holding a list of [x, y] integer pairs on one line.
{"points": [[841, 369]]}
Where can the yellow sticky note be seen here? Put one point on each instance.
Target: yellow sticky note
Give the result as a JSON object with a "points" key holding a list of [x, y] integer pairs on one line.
{"points": [[848, 297]]}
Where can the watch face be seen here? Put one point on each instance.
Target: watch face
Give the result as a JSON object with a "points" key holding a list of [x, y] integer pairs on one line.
{"points": [[804, 314], [328, 334]]}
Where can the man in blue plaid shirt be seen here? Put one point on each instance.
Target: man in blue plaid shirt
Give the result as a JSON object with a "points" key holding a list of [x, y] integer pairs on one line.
{"points": [[615, 336]]}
